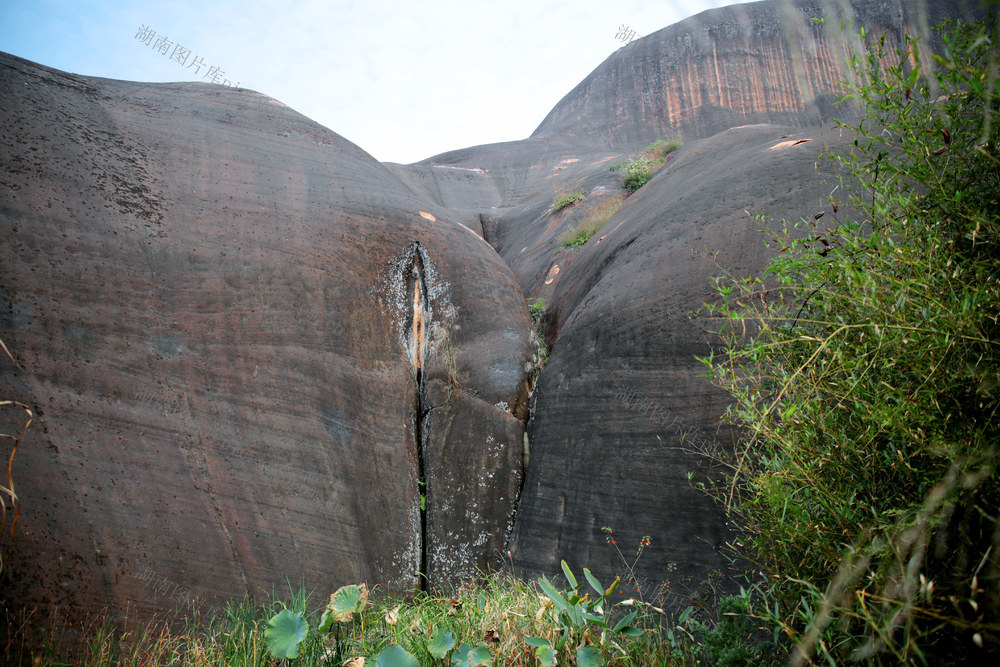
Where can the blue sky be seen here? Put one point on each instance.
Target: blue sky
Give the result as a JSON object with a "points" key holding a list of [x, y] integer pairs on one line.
{"points": [[403, 80]]}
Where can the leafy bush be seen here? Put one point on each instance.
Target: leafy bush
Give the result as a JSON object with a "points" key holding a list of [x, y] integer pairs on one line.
{"points": [[864, 371], [640, 169], [734, 641], [638, 172], [560, 202]]}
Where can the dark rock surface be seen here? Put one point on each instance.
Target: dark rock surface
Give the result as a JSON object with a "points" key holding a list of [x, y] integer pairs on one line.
{"points": [[212, 301], [236, 326], [622, 414]]}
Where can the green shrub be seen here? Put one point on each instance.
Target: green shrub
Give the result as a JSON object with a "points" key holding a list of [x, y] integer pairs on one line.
{"points": [[560, 202], [640, 169], [864, 368], [638, 172], [734, 641]]}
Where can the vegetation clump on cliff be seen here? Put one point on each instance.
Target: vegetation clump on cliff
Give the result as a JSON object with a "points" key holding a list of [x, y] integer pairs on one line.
{"points": [[864, 368], [641, 168], [593, 221]]}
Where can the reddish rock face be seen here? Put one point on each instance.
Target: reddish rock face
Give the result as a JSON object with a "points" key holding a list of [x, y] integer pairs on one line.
{"points": [[762, 62], [252, 349]]}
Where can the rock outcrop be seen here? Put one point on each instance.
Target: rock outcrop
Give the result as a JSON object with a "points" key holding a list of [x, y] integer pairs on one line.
{"points": [[251, 349], [258, 355], [764, 62]]}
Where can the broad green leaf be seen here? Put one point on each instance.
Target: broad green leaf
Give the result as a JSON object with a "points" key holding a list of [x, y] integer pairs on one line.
{"points": [[569, 576], [395, 656], [546, 656], [285, 630], [632, 632], [594, 583], [554, 595], [468, 656], [481, 655], [594, 618], [589, 656], [441, 643], [537, 641], [686, 614], [325, 621], [620, 625], [461, 653], [572, 617], [347, 601]]}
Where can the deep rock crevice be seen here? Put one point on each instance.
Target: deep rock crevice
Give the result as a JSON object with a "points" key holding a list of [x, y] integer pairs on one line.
{"points": [[417, 350]]}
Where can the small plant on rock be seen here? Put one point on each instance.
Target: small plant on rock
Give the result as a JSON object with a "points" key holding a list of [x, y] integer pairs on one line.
{"points": [[637, 173], [640, 169], [593, 222], [560, 202]]}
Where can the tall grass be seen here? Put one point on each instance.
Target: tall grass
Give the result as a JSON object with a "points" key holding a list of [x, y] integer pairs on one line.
{"points": [[593, 222], [499, 610], [10, 506]]}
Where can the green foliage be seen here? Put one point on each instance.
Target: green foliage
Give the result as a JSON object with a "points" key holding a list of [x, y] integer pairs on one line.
{"points": [[536, 308], [499, 620], [640, 169], [637, 172], [470, 656], [734, 640], [578, 613], [579, 236], [560, 202], [395, 656], [285, 630], [864, 371], [344, 603], [662, 148], [441, 643], [592, 222]]}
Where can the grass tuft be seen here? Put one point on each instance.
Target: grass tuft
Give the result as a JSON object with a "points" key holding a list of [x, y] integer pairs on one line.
{"points": [[593, 222], [560, 202]]}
